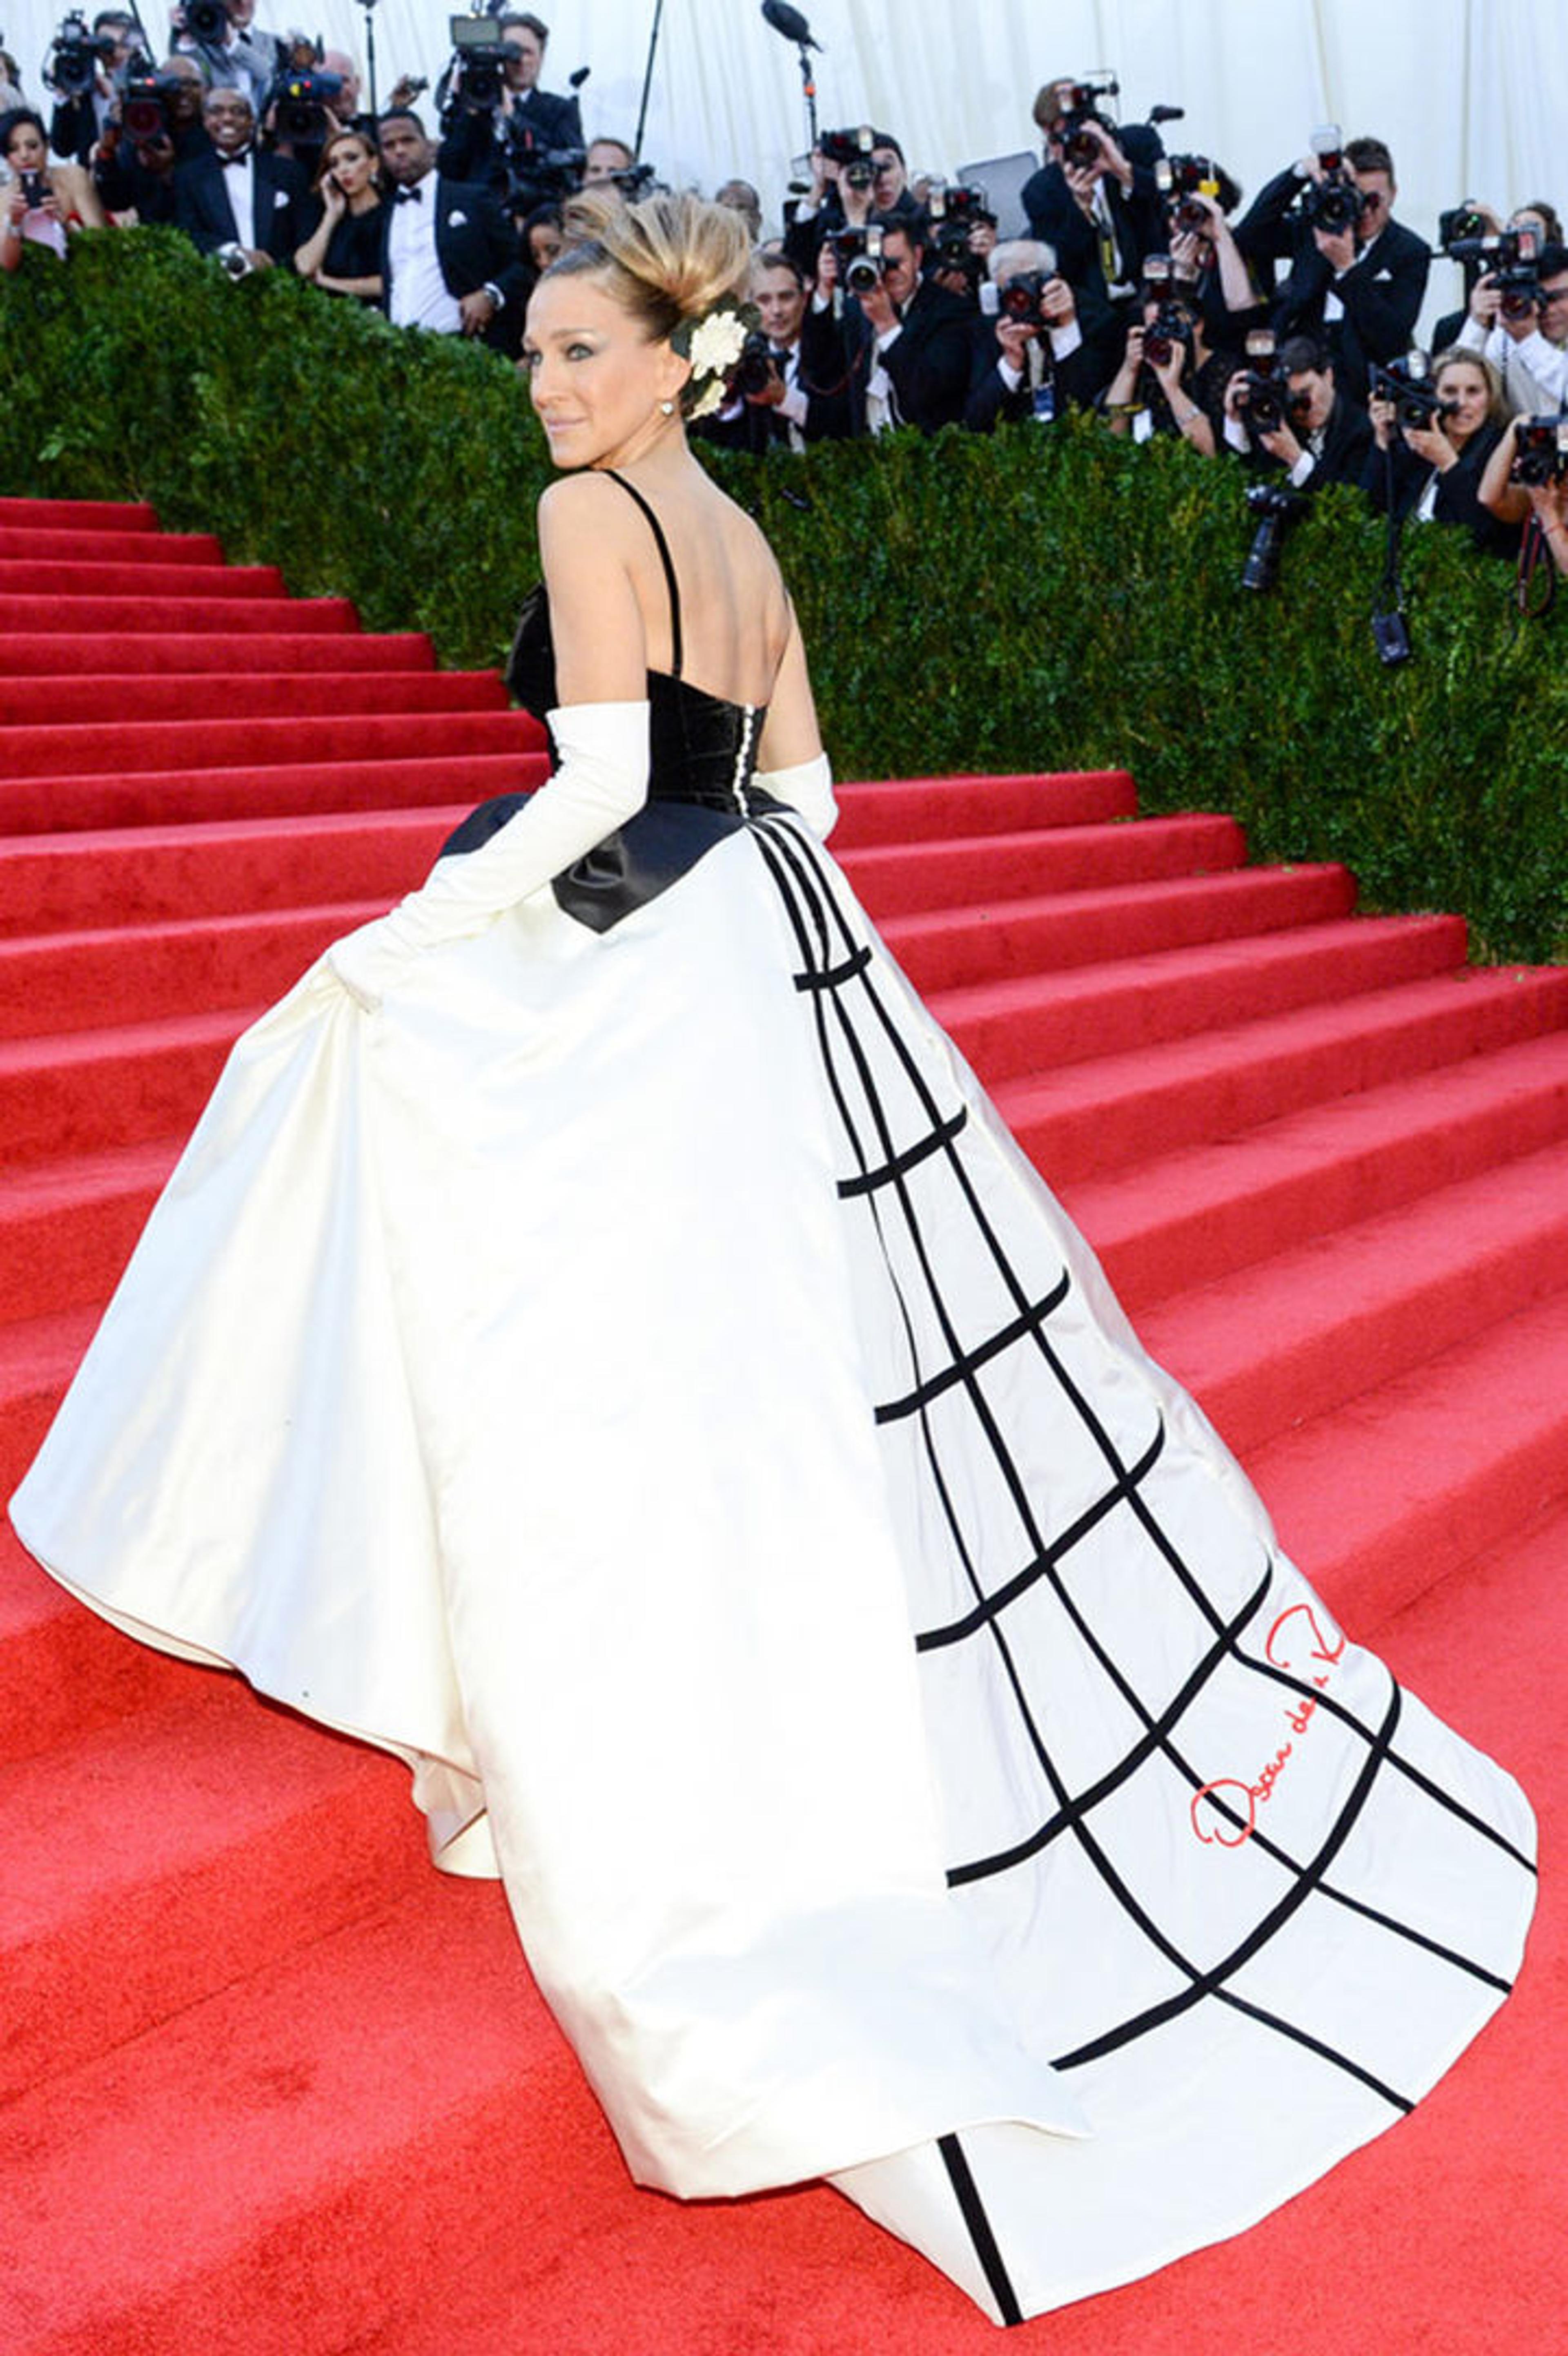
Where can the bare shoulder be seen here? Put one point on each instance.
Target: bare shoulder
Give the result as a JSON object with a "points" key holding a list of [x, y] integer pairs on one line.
{"points": [[583, 524]]}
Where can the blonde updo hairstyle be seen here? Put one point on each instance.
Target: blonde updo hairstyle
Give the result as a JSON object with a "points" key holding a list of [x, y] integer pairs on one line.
{"points": [[668, 259]]}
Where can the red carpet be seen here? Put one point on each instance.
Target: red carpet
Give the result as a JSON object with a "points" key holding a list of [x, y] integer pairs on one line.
{"points": [[269, 2084]]}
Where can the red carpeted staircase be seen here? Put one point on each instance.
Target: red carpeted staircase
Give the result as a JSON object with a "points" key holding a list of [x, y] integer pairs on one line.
{"points": [[267, 2085]]}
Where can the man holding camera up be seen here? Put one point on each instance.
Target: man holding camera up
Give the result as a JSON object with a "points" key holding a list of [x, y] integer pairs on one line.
{"points": [[1030, 359], [80, 112], [904, 341], [1357, 276], [229, 54], [1310, 430], [1522, 328], [1095, 202], [156, 127], [507, 141]]}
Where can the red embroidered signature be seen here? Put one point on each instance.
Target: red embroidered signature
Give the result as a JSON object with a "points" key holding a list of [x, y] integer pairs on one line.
{"points": [[1305, 1643]]}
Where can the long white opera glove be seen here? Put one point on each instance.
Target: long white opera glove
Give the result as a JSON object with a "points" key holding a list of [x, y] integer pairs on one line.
{"points": [[602, 780], [808, 788]]}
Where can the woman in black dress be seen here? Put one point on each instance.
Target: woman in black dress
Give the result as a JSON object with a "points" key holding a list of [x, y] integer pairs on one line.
{"points": [[344, 253]]}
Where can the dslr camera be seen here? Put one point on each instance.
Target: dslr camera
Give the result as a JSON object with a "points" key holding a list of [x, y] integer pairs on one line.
{"points": [[1334, 203], [851, 151], [1275, 506], [1263, 396], [1407, 384], [302, 92], [1540, 451], [1509, 256], [1180, 179], [1080, 110], [953, 213], [860, 252]]}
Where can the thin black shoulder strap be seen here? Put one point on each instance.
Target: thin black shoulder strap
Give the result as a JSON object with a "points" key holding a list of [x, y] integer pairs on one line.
{"points": [[665, 560]]}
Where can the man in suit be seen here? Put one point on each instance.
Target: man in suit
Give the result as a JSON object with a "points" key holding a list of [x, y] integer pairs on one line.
{"points": [[450, 258], [237, 194], [905, 341], [1099, 211], [506, 147], [1029, 362], [139, 174], [804, 396], [1359, 289], [1323, 437]]}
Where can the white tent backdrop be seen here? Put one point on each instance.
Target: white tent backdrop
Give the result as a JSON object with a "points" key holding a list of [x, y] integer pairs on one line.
{"points": [[1472, 95]]}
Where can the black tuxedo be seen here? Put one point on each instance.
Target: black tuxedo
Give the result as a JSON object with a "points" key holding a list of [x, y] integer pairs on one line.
{"points": [[1137, 220], [125, 183], [284, 212], [1381, 293], [927, 363], [1347, 443], [475, 246], [494, 148]]}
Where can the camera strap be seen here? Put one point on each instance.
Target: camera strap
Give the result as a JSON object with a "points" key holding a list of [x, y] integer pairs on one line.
{"points": [[1535, 581]]}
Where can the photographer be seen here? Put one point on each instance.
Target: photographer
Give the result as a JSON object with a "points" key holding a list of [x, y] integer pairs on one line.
{"points": [[1204, 254], [40, 201], [343, 255], [1030, 359], [1438, 465], [1357, 276], [1543, 496], [1096, 203], [228, 55], [905, 341], [505, 143], [1320, 437], [1169, 382], [80, 115], [1523, 332], [857, 177], [135, 160], [790, 388], [239, 195]]}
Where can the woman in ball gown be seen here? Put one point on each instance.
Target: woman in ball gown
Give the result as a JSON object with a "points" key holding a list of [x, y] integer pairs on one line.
{"points": [[601, 1344]]}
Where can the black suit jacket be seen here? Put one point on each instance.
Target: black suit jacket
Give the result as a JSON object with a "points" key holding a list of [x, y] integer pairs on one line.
{"points": [[1137, 222], [1381, 293], [757, 427], [1458, 490], [477, 246], [991, 400], [284, 210], [928, 363]]}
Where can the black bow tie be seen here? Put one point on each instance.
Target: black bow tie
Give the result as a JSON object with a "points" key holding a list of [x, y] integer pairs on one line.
{"points": [[228, 162], [407, 196]]}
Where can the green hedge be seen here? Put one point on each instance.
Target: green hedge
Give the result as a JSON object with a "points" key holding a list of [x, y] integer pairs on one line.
{"points": [[1037, 598]]}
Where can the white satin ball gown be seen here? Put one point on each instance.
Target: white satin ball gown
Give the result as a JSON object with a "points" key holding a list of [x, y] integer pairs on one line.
{"points": [[612, 1355]]}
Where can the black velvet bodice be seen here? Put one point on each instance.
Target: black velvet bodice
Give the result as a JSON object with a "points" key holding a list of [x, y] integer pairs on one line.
{"points": [[701, 748], [702, 755]]}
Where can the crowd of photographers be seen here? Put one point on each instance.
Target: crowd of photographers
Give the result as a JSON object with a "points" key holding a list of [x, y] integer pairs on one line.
{"points": [[1279, 335]]}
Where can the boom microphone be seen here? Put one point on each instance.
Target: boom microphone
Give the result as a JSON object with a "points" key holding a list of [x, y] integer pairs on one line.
{"points": [[790, 23]]}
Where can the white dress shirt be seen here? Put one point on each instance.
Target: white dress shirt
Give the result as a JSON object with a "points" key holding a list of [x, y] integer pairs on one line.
{"points": [[419, 296]]}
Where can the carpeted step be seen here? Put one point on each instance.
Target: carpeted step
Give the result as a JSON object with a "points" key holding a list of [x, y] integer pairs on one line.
{"points": [[198, 805], [28, 704], [76, 981], [43, 766], [87, 616], [67, 1224], [1274, 1345], [38, 1355], [897, 880], [1100, 1116], [158, 1858], [1386, 1495], [1040, 1023], [950, 948], [25, 590], [1177, 1220], [85, 515], [87, 1090], [118, 655], [44, 546], [891, 810], [63, 1670], [385, 2082]]}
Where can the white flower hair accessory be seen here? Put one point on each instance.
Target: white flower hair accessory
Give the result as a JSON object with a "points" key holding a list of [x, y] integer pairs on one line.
{"points": [[713, 344]]}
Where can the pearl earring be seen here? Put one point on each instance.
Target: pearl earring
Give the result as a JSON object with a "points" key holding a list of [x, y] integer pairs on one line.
{"points": [[667, 407]]}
